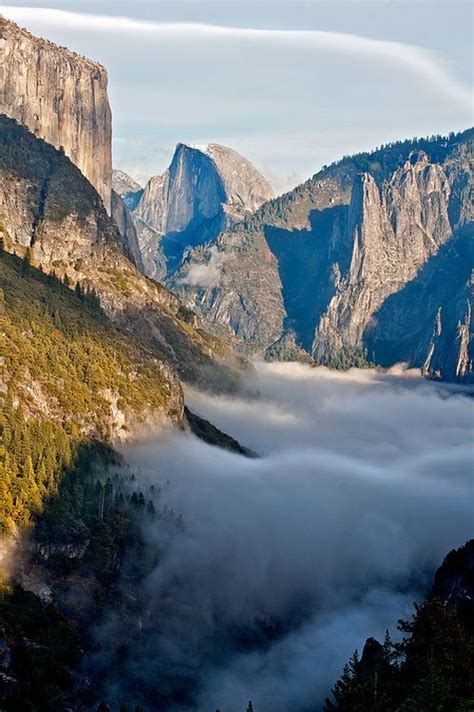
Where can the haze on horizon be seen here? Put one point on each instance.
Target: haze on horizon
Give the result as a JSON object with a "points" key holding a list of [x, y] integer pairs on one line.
{"points": [[292, 85]]}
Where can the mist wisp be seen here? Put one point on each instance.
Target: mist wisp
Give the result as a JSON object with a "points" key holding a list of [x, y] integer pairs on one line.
{"points": [[286, 563]]}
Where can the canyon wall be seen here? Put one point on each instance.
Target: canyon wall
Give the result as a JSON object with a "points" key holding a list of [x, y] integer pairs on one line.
{"points": [[61, 97], [369, 259]]}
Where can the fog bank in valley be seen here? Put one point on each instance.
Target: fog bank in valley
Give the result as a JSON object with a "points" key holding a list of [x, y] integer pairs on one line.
{"points": [[287, 562]]}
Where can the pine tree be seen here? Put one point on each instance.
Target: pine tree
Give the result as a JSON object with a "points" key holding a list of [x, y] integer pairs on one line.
{"points": [[25, 265], [79, 292]]}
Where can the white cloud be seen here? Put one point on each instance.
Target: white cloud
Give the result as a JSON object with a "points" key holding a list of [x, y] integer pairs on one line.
{"points": [[425, 64], [207, 274]]}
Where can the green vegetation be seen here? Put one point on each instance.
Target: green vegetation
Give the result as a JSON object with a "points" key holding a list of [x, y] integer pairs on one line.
{"points": [[66, 372], [83, 532], [204, 430], [119, 281], [384, 160], [429, 671], [286, 349], [38, 649], [95, 516], [349, 357], [33, 454]]}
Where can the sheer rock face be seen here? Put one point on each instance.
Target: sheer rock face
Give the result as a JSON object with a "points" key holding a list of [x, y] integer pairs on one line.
{"points": [[203, 191], [374, 253], [124, 221], [60, 97], [48, 209], [235, 285], [394, 231]]}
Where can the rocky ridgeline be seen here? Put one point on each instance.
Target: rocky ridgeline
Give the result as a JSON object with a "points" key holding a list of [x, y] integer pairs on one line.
{"points": [[373, 254], [61, 97]]}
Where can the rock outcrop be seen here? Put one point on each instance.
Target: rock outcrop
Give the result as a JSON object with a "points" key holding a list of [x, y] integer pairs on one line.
{"points": [[61, 97], [204, 190], [344, 262], [127, 188]]}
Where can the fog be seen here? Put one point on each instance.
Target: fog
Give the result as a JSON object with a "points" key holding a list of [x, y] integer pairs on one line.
{"points": [[287, 562]]}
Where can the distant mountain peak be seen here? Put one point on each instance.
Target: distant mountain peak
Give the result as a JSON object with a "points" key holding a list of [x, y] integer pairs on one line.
{"points": [[206, 189], [123, 183]]}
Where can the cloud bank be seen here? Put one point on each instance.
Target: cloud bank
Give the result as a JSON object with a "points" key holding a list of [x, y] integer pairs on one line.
{"points": [[425, 64], [286, 563]]}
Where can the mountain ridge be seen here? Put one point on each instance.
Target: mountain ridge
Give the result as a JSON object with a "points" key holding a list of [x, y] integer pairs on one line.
{"points": [[282, 267]]}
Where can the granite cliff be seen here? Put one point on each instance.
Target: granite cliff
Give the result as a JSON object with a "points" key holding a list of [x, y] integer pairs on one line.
{"points": [[370, 256], [204, 190], [61, 97]]}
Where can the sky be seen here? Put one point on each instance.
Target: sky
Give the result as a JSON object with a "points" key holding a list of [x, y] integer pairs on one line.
{"points": [[291, 84]]}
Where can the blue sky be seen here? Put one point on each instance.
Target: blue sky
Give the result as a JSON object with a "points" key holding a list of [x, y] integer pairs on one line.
{"points": [[291, 84]]}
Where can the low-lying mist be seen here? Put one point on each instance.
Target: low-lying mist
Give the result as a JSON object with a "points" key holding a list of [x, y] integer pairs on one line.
{"points": [[286, 563]]}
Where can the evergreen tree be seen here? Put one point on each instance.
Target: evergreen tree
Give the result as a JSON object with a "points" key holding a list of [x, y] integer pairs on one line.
{"points": [[25, 265]]}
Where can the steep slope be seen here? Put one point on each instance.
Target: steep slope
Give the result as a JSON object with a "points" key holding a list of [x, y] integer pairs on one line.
{"points": [[50, 211], [392, 232], [204, 190], [428, 322], [66, 372], [62, 98], [123, 219], [322, 261]]}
